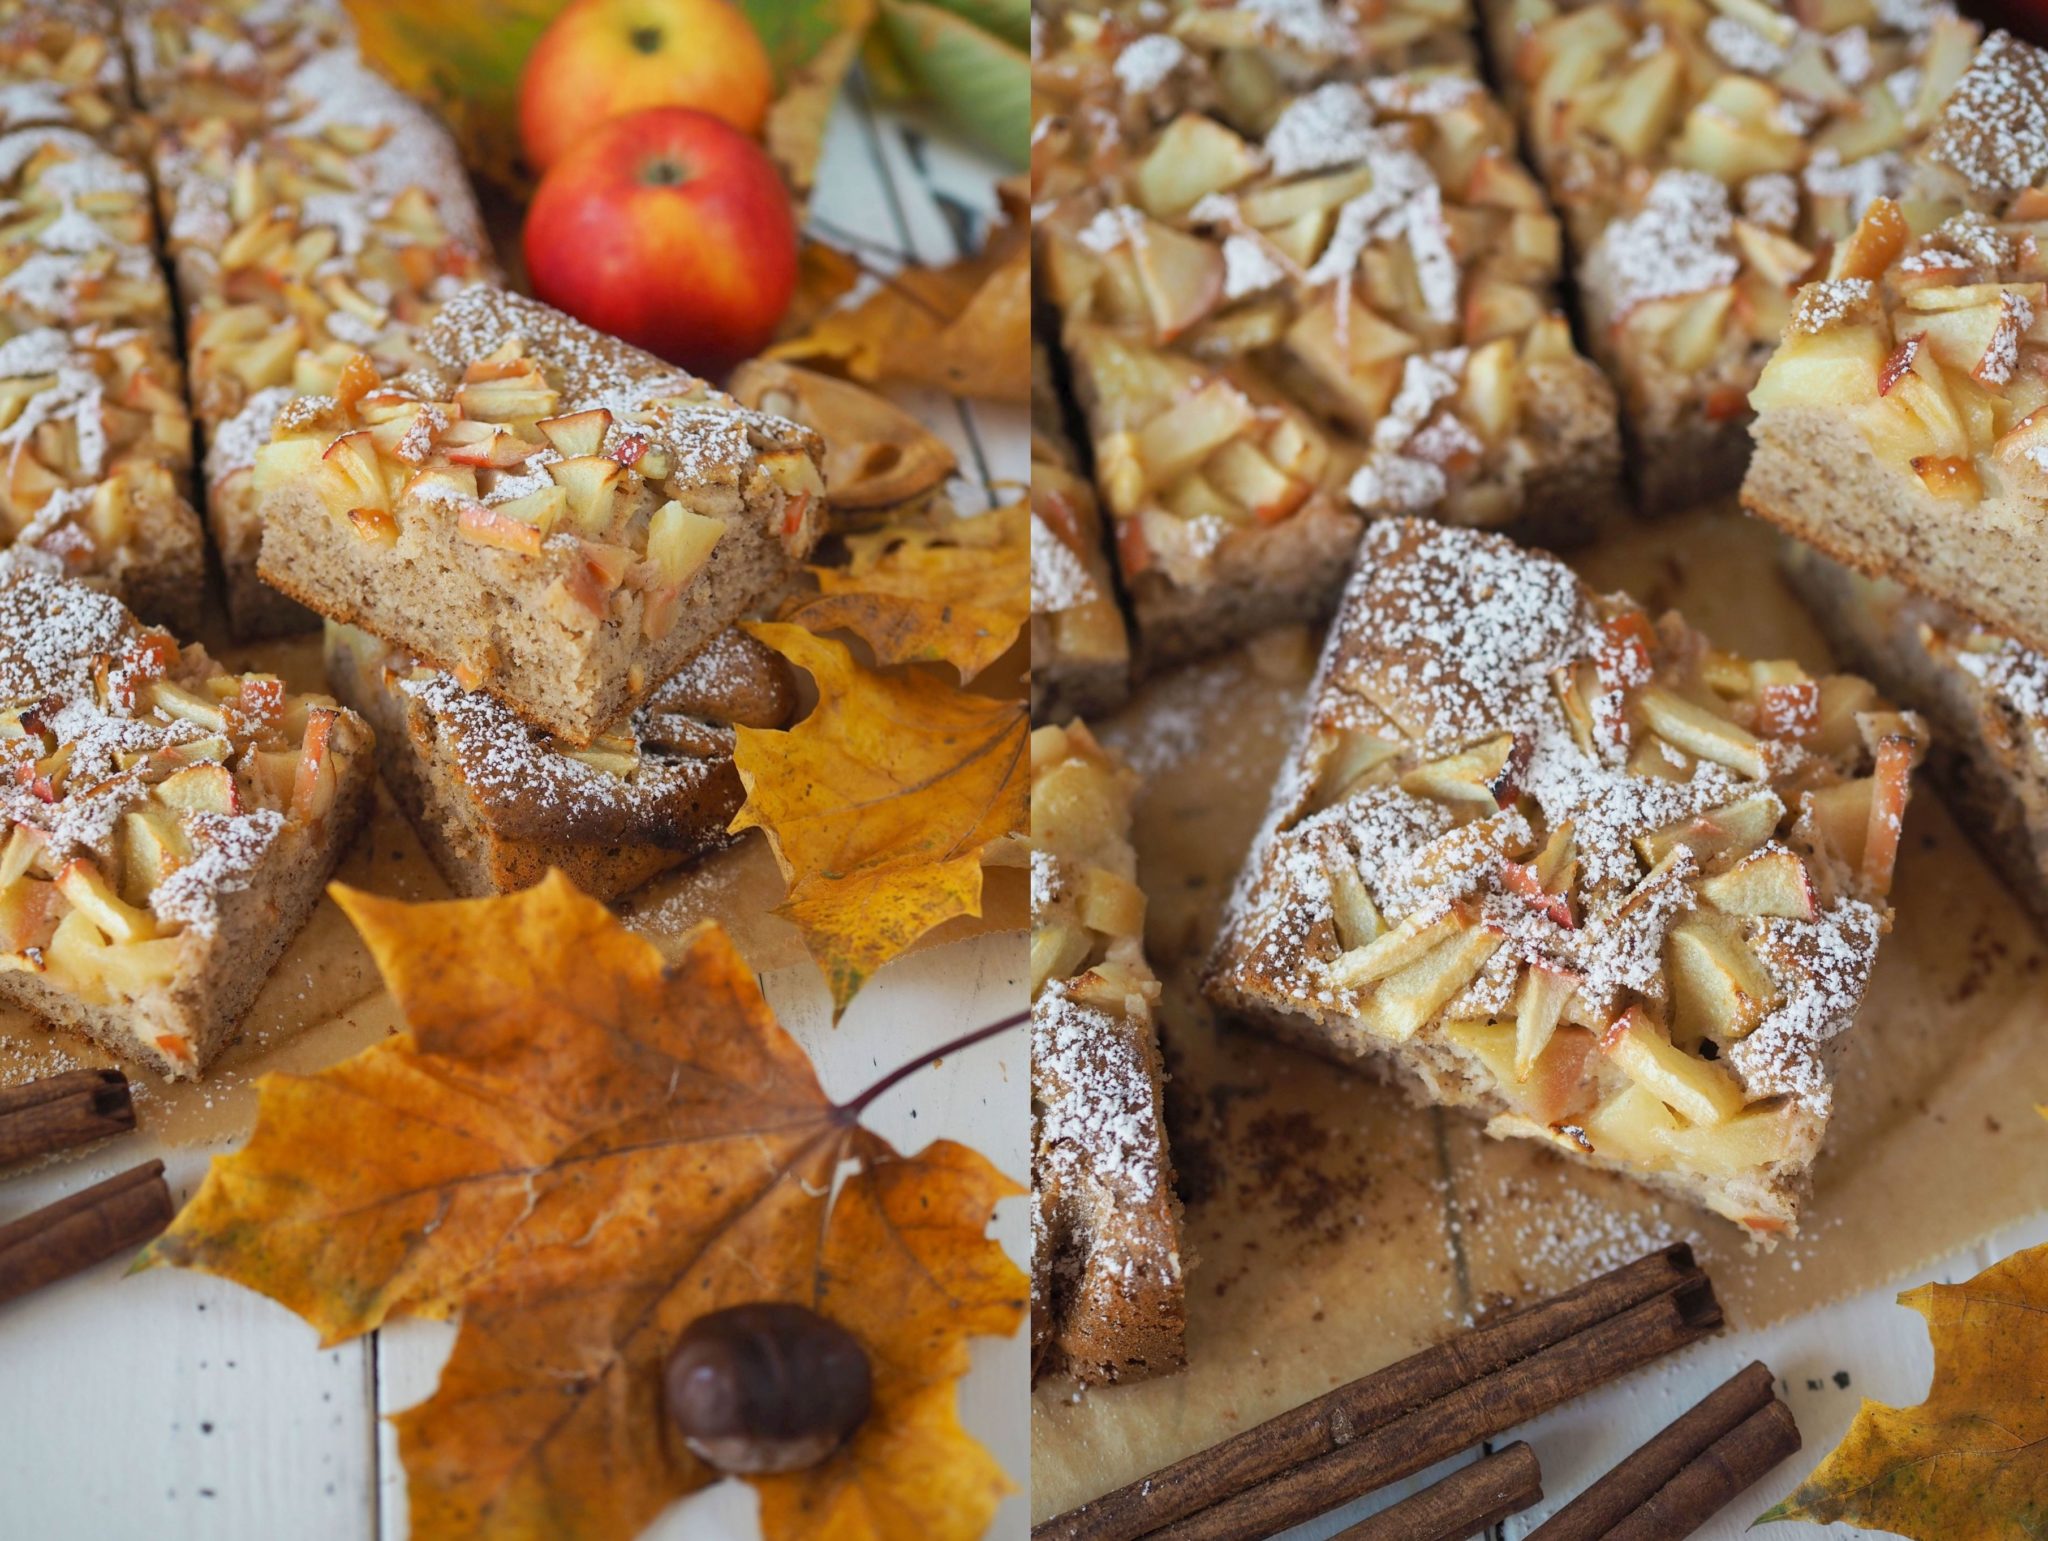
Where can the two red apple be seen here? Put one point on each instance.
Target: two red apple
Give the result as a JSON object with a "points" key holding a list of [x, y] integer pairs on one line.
{"points": [[668, 225]]}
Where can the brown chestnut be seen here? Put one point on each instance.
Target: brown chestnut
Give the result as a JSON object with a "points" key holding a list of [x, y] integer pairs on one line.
{"points": [[767, 1387]]}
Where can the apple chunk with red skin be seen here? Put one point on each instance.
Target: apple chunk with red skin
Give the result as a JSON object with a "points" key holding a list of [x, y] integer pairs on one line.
{"points": [[672, 230]]}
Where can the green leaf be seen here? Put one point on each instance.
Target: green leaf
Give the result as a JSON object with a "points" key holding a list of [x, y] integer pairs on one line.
{"points": [[1009, 20], [464, 61], [979, 82], [795, 30]]}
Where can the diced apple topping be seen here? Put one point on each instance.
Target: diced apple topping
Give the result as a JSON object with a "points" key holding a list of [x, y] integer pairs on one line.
{"points": [[1698, 731], [1768, 882], [1488, 773], [1394, 950], [1699, 1090], [578, 433]]}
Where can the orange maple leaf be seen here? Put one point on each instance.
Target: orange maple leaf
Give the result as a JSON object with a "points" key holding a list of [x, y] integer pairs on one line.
{"points": [[1971, 1460], [882, 805], [937, 590], [964, 328], [878, 457], [579, 1150]]}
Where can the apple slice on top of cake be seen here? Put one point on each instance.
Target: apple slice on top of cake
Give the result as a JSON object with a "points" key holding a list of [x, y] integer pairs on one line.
{"points": [[1587, 875], [541, 511]]}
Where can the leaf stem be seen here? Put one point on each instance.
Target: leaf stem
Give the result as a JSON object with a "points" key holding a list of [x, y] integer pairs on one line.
{"points": [[903, 1072]]}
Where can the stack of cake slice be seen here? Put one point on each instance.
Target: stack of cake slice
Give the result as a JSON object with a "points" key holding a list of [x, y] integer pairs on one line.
{"points": [[93, 425], [1580, 872], [1902, 429], [530, 549], [1302, 279], [1706, 157], [313, 216]]}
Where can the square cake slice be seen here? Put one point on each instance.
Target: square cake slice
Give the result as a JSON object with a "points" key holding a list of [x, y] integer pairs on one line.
{"points": [[77, 237], [1107, 1301], [540, 510], [1705, 159], [314, 215], [60, 63], [168, 826], [1901, 424], [1985, 695], [1080, 652], [98, 450], [497, 803], [1290, 314], [1586, 875]]}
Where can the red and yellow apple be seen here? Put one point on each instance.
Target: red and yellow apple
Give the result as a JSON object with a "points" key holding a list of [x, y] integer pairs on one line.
{"points": [[603, 59], [671, 229]]}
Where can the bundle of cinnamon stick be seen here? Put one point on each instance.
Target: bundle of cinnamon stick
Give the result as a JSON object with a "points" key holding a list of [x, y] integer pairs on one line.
{"points": [[60, 1113], [1388, 1425]]}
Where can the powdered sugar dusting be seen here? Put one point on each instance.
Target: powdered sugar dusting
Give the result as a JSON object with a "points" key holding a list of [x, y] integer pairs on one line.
{"points": [[1994, 128], [1674, 245], [1058, 580]]}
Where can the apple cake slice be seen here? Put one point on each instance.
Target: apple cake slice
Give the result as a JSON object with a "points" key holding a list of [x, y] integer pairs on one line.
{"points": [[1706, 157], [196, 59], [322, 229], [97, 448], [60, 64], [540, 510], [497, 804], [1106, 1290], [76, 237], [1902, 425], [168, 826], [1589, 876], [1985, 694], [1350, 311], [1080, 654], [64, 195]]}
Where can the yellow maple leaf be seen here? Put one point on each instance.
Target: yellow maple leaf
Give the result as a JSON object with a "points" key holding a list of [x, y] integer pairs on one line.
{"points": [[1972, 1460], [580, 1150], [944, 590], [881, 804]]}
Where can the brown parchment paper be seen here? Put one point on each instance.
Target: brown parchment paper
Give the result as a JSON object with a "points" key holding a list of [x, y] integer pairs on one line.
{"points": [[324, 1001], [1336, 1227]]}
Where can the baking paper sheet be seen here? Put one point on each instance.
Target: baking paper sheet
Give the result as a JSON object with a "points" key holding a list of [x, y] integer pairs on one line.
{"points": [[1335, 1227]]}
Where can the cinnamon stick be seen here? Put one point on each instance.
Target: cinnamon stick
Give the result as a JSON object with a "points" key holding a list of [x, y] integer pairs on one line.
{"points": [[1470, 1500], [1607, 1503], [1706, 1485], [1460, 1420], [1358, 1408], [61, 1111], [87, 1228]]}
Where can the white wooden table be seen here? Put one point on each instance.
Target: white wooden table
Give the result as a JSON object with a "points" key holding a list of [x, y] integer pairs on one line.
{"points": [[176, 1407]]}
